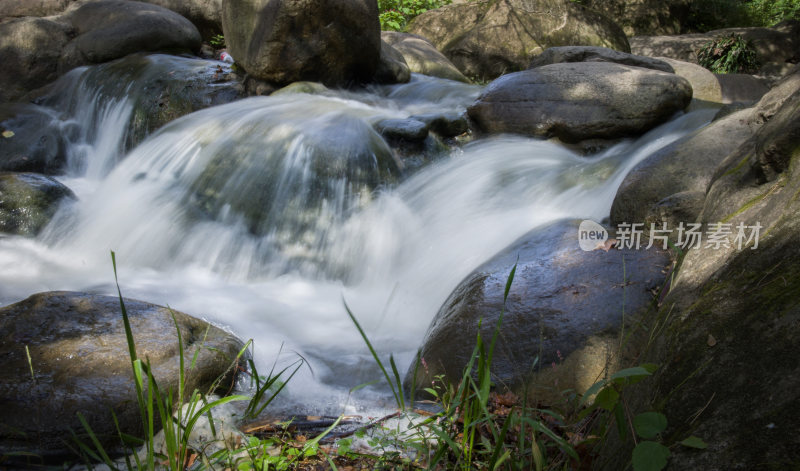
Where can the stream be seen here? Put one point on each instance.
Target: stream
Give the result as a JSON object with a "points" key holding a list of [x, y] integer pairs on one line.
{"points": [[263, 215]]}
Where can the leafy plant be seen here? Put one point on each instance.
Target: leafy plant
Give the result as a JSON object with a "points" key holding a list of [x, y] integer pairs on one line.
{"points": [[218, 41], [395, 14], [728, 54]]}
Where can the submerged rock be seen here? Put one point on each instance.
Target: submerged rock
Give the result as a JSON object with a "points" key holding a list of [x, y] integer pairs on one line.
{"points": [[28, 201], [80, 362], [283, 41], [488, 38], [561, 323], [578, 101]]}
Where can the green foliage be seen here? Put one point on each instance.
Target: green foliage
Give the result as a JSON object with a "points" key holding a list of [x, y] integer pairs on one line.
{"points": [[706, 15], [218, 41], [729, 54], [395, 14]]}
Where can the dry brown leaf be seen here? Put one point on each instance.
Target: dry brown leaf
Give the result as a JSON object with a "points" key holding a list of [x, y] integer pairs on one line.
{"points": [[711, 340]]}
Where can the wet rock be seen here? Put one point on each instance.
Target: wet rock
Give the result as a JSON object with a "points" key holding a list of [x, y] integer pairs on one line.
{"points": [[564, 303], [445, 125], [30, 139], [407, 130], [578, 101], [488, 38], [28, 201], [80, 362]]}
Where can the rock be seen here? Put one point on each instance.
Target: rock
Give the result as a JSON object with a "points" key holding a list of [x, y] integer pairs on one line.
{"points": [[422, 57], [29, 51], [80, 362], [284, 41], [110, 29], [645, 17], [392, 67], [741, 88], [563, 303], [684, 167], [20, 8], [706, 89], [311, 88], [406, 130], [445, 125], [206, 15], [693, 162], [578, 101], [747, 300], [557, 55], [488, 38], [31, 139], [160, 88], [28, 201]]}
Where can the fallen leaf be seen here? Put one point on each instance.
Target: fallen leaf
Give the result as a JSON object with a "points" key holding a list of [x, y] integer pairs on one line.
{"points": [[607, 245], [711, 340], [8, 134]]}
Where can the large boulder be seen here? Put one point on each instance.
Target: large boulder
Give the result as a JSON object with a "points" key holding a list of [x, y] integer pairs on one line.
{"points": [[28, 201], [578, 101], [206, 15], [645, 17], [564, 309], [560, 54], [488, 38], [30, 49], [30, 139], [682, 171], [706, 89], [110, 29], [729, 369], [79, 363], [422, 57], [284, 41]]}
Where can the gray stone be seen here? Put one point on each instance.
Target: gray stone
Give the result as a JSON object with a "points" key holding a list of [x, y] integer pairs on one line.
{"points": [[284, 41], [422, 57], [31, 139], [408, 130], [445, 125], [557, 55], [80, 362], [578, 101], [488, 38], [110, 29], [392, 67], [563, 303], [28, 201], [206, 15]]}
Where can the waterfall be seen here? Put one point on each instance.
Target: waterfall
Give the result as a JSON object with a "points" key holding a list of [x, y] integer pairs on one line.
{"points": [[262, 214]]}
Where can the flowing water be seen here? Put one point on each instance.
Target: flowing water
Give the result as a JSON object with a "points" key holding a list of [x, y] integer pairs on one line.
{"points": [[265, 214]]}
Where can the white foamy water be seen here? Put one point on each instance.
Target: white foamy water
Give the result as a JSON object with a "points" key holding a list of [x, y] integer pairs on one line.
{"points": [[251, 215]]}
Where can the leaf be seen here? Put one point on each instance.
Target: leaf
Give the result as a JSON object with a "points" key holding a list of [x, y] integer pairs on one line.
{"points": [[8, 134], [695, 442], [592, 390], [628, 372], [649, 424], [607, 399], [650, 456]]}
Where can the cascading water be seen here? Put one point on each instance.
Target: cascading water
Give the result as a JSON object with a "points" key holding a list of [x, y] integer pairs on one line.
{"points": [[262, 214]]}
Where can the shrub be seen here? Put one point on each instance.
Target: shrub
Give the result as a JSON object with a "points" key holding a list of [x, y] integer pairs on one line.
{"points": [[728, 54]]}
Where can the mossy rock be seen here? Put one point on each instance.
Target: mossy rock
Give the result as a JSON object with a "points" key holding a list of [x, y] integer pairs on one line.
{"points": [[28, 201]]}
